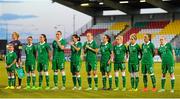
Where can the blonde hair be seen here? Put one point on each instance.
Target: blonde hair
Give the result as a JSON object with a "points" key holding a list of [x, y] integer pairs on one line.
{"points": [[133, 36], [16, 33]]}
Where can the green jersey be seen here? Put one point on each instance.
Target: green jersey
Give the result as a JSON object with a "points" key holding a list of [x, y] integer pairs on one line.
{"points": [[166, 53], [10, 57], [119, 53], [30, 51], [58, 53], [106, 50], [43, 52], [147, 53], [90, 55], [76, 55], [134, 52]]}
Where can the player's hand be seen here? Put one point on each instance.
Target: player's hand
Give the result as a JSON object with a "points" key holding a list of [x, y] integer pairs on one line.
{"points": [[109, 62], [71, 43], [88, 47], [7, 67]]}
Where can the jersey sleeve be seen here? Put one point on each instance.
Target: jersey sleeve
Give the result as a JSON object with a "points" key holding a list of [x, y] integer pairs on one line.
{"points": [[110, 47], [48, 47], [153, 49], [63, 42], [170, 47], [15, 56], [79, 45], [95, 45]]}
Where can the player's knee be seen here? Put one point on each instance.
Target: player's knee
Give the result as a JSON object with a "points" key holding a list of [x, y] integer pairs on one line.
{"points": [[136, 74], [152, 74], [164, 75], [109, 76], [46, 73], [12, 76], [55, 73], [63, 73], [33, 74], [116, 74], [132, 74], [89, 73], [40, 73], [172, 76], [123, 73], [28, 74]]}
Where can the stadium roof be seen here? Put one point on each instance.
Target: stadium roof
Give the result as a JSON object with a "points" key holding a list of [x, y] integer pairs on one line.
{"points": [[130, 7]]}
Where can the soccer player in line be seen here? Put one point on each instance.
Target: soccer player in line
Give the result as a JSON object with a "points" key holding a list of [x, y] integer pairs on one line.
{"points": [[10, 60], [91, 49], [119, 53], [167, 55], [44, 55], [134, 54], [58, 62], [106, 50], [17, 49], [76, 47], [30, 62], [148, 51]]}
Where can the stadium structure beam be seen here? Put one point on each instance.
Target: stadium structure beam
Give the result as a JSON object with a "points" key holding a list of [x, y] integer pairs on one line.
{"points": [[162, 4], [117, 6], [86, 10]]}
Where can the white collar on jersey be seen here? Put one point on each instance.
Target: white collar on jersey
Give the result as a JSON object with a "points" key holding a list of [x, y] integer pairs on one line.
{"points": [[90, 41], [42, 43], [29, 45], [133, 44], [119, 45], [60, 39], [163, 44], [105, 43], [11, 51], [76, 42], [147, 42]]}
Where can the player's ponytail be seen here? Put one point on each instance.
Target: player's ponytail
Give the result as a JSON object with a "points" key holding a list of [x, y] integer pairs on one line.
{"points": [[77, 37], [109, 38], [45, 39]]}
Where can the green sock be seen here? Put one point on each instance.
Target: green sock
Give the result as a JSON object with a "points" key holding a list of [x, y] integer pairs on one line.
{"points": [[104, 81], [28, 80], [110, 82], [13, 81], [64, 80], [90, 81], [117, 82], [145, 80], [74, 80], [172, 83], [96, 81], [136, 82], [132, 82], [9, 81], [34, 80], [153, 79], [40, 80], [163, 80], [56, 80], [47, 80], [124, 81], [79, 80]]}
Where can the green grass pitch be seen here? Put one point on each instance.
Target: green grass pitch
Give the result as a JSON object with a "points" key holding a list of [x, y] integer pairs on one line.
{"points": [[68, 93]]}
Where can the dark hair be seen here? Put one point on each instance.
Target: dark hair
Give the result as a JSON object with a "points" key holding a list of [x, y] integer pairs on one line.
{"points": [[149, 36], [10, 44], [45, 39], [108, 37], [30, 37], [59, 32], [77, 37]]}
